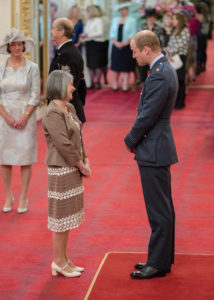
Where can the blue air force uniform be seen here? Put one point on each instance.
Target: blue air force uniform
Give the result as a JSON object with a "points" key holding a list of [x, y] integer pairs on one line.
{"points": [[152, 140]]}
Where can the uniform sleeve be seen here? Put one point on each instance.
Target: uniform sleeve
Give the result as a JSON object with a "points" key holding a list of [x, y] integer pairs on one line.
{"points": [[153, 103], [35, 86], [55, 125]]}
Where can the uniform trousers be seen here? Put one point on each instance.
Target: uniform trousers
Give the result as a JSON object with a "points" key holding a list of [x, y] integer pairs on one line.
{"points": [[156, 184]]}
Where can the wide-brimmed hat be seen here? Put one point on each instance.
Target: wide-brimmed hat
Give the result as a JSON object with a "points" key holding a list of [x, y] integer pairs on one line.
{"points": [[16, 35], [123, 5]]}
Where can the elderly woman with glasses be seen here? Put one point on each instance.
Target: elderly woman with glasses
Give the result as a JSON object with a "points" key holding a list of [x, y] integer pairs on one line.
{"points": [[67, 165]]}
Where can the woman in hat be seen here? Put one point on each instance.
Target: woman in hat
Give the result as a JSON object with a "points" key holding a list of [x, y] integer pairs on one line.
{"points": [[19, 96], [121, 32]]}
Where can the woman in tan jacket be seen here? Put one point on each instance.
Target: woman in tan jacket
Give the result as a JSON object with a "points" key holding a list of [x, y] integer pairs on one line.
{"points": [[67, 164]]}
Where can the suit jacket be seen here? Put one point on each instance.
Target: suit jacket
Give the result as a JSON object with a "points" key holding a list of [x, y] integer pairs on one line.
{"points": [[151, 136], [63, 137], [68, 58]]}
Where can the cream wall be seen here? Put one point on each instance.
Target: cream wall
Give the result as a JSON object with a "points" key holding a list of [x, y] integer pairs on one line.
{"points": [[5, 20]]}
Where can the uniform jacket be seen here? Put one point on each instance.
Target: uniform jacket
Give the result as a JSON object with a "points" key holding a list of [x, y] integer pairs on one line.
{"points": [[151, 136], [64, 139], [68, 58]]}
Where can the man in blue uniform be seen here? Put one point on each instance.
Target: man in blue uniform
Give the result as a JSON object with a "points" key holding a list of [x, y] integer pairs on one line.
{"points": [[152, 141]]}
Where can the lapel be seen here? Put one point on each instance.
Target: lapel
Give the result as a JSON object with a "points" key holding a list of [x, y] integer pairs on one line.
{"points": [[58, 53], [55, 107], [28, 65], [2, 69]]}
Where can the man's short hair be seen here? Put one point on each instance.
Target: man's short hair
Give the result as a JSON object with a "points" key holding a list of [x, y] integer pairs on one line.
{"points": [[66, 26], [57, 84], [146, 38]]}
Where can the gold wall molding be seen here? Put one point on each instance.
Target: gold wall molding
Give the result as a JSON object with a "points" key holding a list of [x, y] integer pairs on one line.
{"points": [[12, 10], [26, 16], [45, 41]]}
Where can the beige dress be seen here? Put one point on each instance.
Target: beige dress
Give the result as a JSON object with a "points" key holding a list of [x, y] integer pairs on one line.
{"points": [[17, 90], [65, 194]]}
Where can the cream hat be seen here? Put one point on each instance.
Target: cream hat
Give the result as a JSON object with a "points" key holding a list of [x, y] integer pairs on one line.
{"points": [[16, 35]]}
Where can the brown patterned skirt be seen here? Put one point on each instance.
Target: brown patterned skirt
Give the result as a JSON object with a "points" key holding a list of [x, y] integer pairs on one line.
{"points": [[65, 198]]}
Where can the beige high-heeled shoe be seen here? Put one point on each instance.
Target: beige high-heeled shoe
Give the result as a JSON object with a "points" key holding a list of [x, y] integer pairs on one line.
{"points": [[23, 210], [8, 209], [73, 267], [56, 270]]}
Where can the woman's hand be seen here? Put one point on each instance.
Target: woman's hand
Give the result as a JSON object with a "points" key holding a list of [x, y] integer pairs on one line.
{"points": [[83, 35], [118, 44], [85, 170], [22, 122], [77, 44], [84, 167], [10, 121]]}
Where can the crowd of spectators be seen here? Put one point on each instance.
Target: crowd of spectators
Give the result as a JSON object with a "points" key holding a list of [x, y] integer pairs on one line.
{"points": [[182, 28]]}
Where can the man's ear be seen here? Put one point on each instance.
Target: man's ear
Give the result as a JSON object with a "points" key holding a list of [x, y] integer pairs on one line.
{"points": [[147, 50], [61, 33]]}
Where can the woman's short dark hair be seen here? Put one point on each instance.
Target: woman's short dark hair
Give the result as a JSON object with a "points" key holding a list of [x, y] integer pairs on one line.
{"points": [[8, 50], [57, 84]]}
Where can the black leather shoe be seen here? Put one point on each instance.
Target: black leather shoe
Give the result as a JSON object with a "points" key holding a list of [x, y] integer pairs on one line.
{"points": [[140, 266], [147, 272]]}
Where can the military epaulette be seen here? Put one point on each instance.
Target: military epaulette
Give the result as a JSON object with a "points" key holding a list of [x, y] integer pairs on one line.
{"points": [[159, 68]]}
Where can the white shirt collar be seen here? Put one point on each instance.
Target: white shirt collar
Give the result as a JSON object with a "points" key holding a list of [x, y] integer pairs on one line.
{"points": [[64, 43], [156, 59]]}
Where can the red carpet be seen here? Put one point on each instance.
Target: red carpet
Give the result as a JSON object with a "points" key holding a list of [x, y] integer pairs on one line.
{"points": [[192, 278], [115, 214]]}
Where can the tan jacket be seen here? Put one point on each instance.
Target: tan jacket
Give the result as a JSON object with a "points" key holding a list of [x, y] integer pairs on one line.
{"points": [[64, 139]]}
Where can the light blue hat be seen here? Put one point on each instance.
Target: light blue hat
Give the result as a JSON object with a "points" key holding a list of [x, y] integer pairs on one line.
{"points": [[123, 5]]}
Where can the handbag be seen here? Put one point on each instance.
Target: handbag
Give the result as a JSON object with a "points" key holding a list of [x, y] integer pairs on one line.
{"points": [[177, 62]]}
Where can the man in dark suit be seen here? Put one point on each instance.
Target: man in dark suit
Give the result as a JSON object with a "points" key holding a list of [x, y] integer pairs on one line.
{"points": [[152, 142], [68, 58]]}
